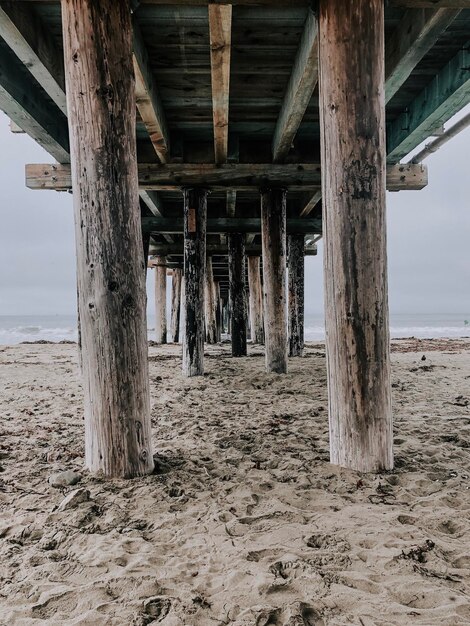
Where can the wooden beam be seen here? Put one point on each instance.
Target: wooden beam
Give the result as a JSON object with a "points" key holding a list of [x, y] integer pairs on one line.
{"points": [[415, 35], [160, 300], [195, 213], [148, 98], [24, 33], [237, 292], [25, 104], [153, 202], [299, 90], [242, 176], [417, 4], [273, 238], [446, 95], [220, 32], [231, 202], [217, 225], [311, 204], [176, 249], [110, 278], [355, 260], [296, 291]]}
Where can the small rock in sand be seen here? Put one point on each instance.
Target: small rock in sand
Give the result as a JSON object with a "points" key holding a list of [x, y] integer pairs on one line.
{"points": [[64, 479], [74, 498]]}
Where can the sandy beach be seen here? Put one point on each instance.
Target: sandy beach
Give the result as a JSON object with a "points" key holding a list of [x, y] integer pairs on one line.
{"points": [[244, 521]]}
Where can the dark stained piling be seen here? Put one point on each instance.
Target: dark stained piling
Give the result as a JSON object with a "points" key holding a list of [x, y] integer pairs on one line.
{"points": [[295, 252], [195, 216], [273, 235], [237, 292], [210, 304], [352, 111], [112, 298]]}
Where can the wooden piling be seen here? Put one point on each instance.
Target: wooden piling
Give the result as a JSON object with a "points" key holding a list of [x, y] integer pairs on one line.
{"points": [[295, 255], [218, 311], [160, 300], [255, 300], [111, 280], [352, 113], [210, 304], [195, 216], [237, 292], [273, 236], [175, 305]]}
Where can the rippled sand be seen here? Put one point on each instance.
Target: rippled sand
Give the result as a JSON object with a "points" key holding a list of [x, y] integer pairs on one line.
{"points": [[245, 522]]}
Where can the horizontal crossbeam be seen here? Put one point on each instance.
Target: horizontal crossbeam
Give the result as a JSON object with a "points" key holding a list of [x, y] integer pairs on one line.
{"points": [[238, 176], [218, 225], [221, 250]]}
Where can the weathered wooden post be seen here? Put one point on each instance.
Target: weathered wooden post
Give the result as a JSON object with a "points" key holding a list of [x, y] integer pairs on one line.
{"points": [[110, 271], [210, 304], [237, 292], [273, 237], [218, 310], [195, 216], [256, 300], [352, 113], [295, 255], [175, 305], [160, 299]]}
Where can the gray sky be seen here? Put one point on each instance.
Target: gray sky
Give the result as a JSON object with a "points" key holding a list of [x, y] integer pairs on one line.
{"points": [[428, 239]]}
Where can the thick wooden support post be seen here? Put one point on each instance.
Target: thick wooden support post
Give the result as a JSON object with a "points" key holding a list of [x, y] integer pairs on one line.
{"points": [[110, 271], [352, 114], [160, 299], [273, 237], [237, 292], [295, 250], [175, 306], [195, 217], [256, 300], [210, 304], [218, 311]]}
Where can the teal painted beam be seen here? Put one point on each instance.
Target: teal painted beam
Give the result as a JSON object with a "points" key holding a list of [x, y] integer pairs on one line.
{"points": [[26, 104], [446, 95]]}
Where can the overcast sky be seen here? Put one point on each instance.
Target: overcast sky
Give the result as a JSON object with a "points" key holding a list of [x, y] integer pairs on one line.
{"points": [[428, 239]]}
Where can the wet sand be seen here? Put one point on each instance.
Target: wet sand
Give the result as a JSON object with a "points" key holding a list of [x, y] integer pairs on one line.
{"points": [[244, 522]]}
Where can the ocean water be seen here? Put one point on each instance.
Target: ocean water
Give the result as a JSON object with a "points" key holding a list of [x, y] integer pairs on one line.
{"points": [[16, 329]]}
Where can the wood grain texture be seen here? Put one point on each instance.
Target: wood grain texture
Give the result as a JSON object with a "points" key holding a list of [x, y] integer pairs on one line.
{"points": [[195, 215], [273, 238], [220, 32], [110, 269], [299, 90], [443, 97], [241, 176], [255, 300], [216, 225], [148, 99], [355, 256], [175, 306], [210, 304], [237, 292], [415, 35], [160, 300], [296, 288], [32, 43]]}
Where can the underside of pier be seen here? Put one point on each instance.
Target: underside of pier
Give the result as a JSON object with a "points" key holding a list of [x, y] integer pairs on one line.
{"points": [[219, 142]]}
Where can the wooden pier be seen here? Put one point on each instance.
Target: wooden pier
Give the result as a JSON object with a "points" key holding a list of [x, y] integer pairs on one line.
{"points": [[224, 139]]}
